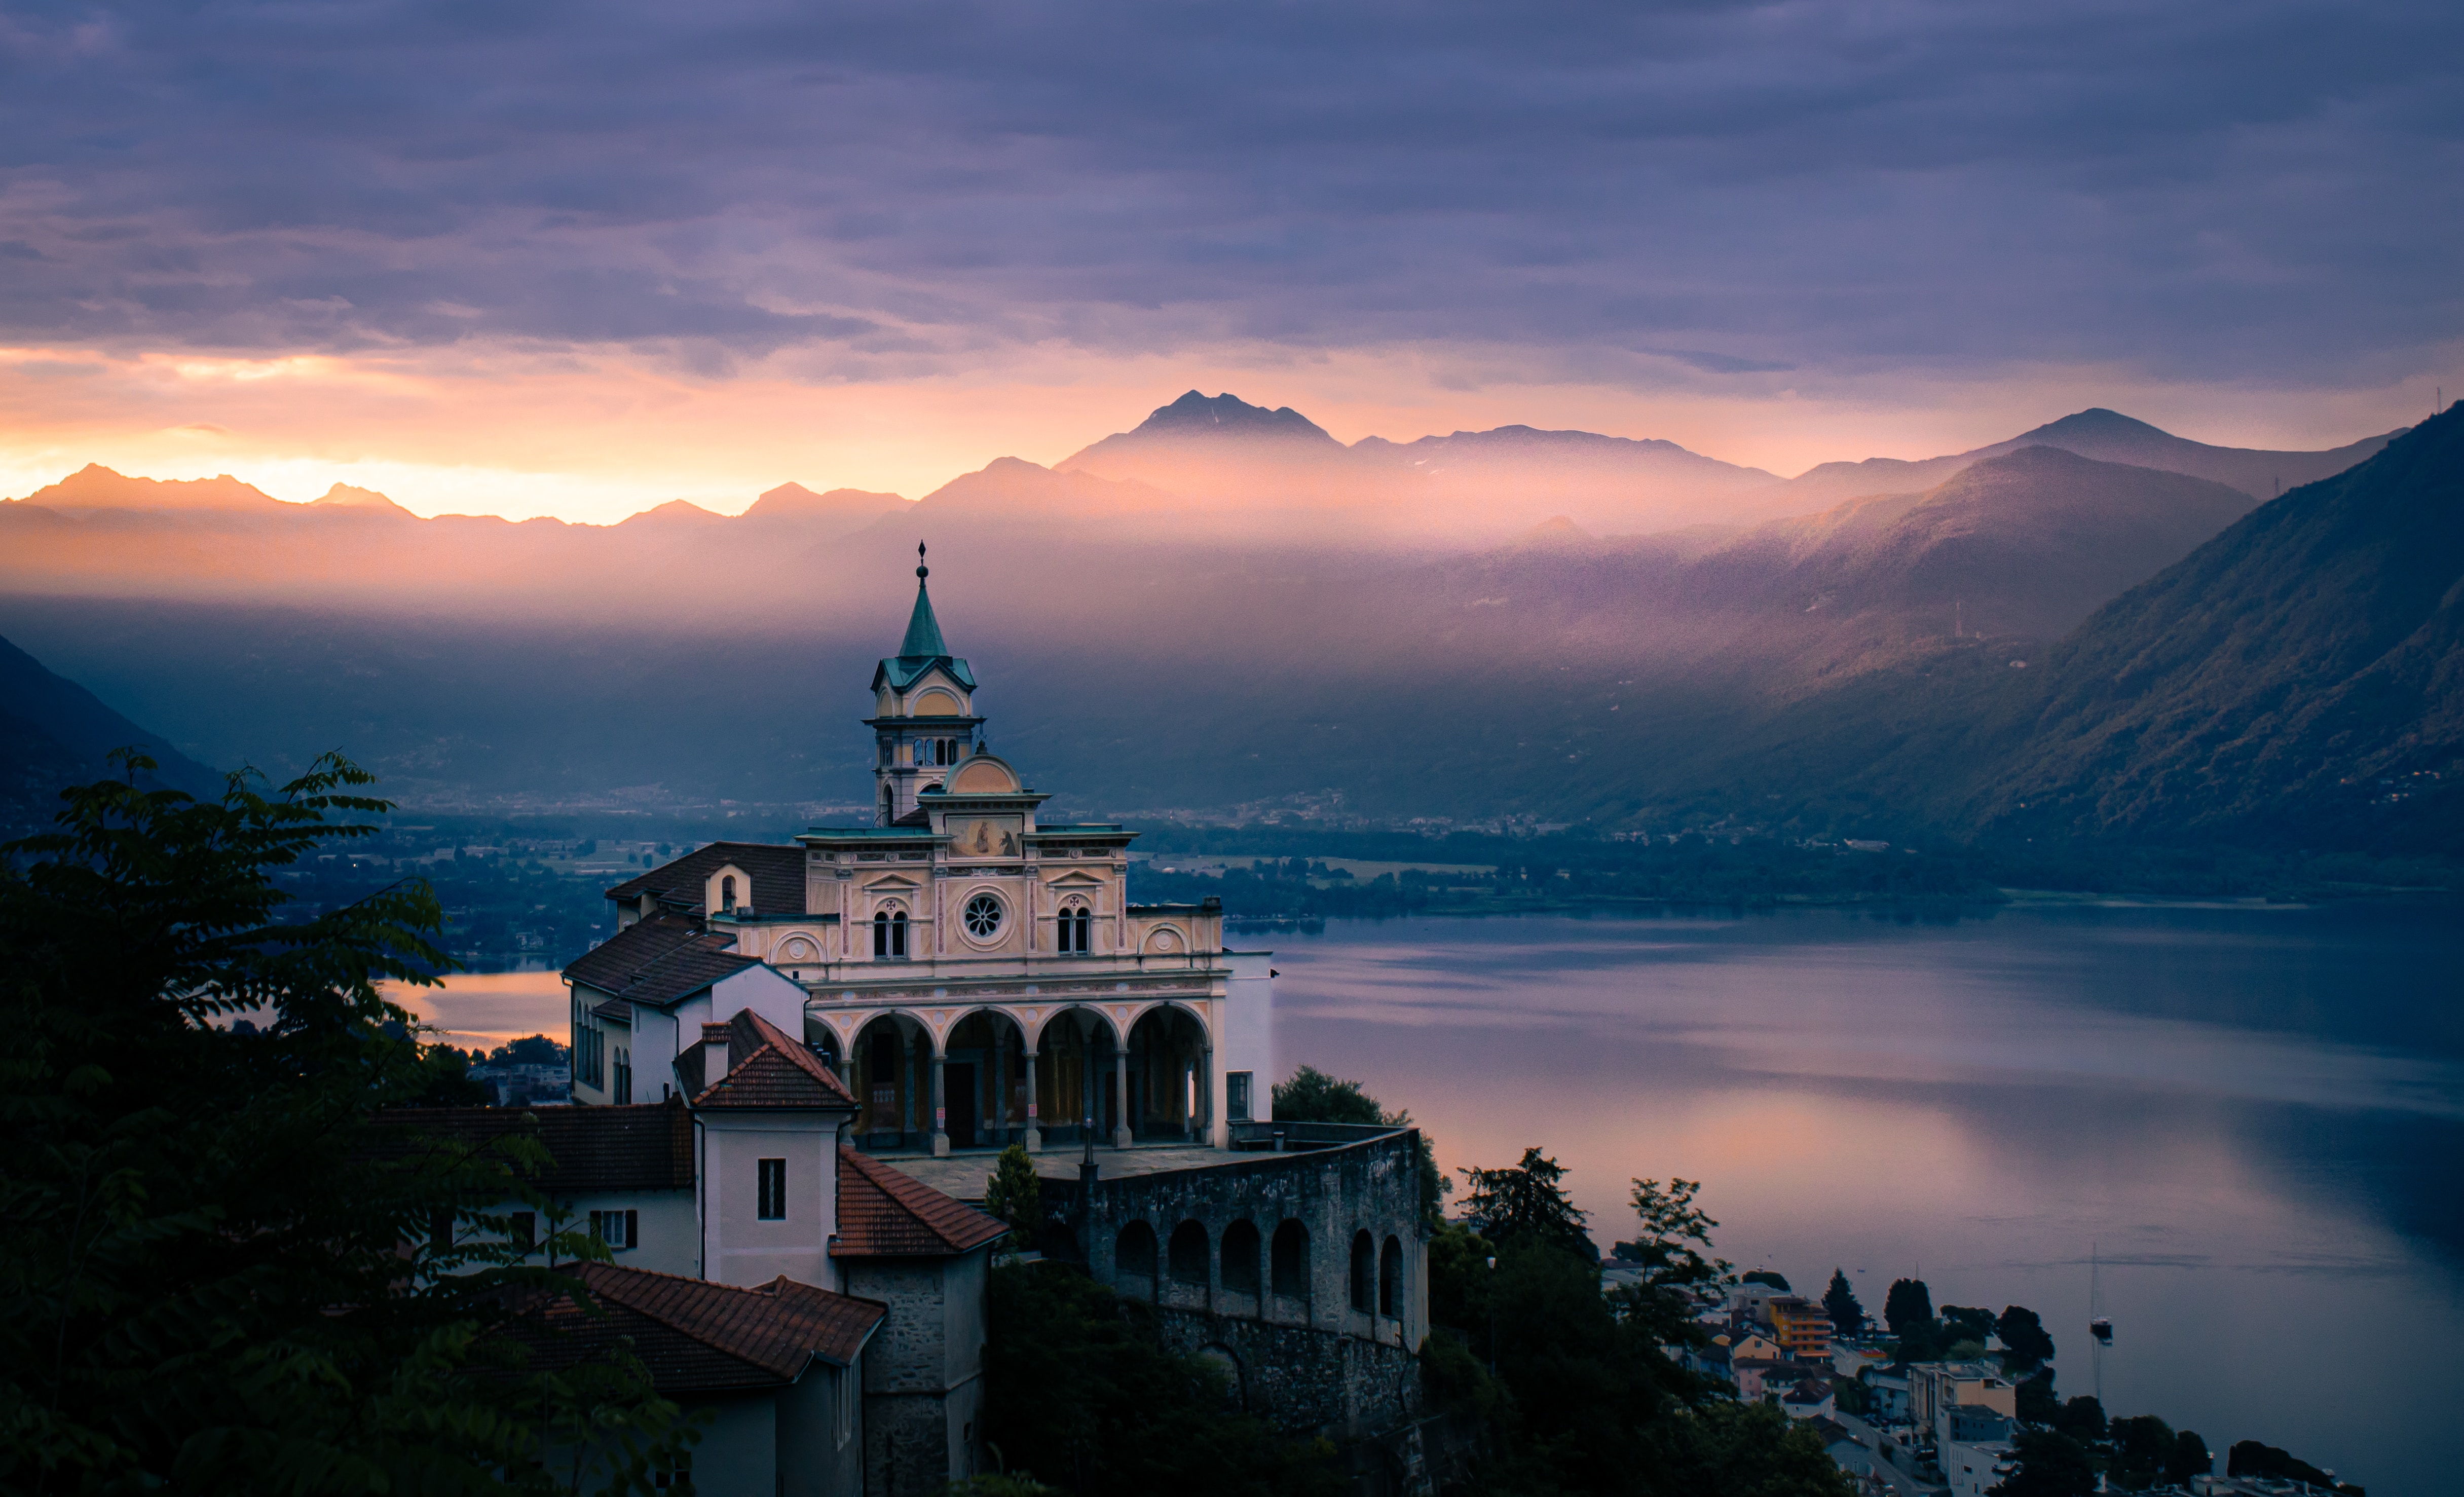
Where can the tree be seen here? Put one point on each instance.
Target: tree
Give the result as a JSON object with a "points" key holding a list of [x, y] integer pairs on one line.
{"points": [[2254, 1457], [1767, 1276], [1313, 1096], [2050, 1465], [215, 1279], [1674, 1252], [1839, 1303], [2036, 1401], [2142, 1449], [2025, 1344], [1734, 1448], [1524, 1200], [531, 1049], [1969, 1324], [1908, 1302], [2082, 1419], [2189, 1458], [1015, 1194]]}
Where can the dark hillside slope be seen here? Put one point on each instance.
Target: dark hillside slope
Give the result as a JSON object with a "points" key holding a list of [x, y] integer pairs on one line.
{"points": [[53, 732], [2296, 680]]}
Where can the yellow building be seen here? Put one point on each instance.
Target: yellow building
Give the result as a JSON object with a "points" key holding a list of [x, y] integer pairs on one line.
{"points": [[1802, 1328]]}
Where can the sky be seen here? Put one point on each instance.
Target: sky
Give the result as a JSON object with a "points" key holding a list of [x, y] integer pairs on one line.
{"points": [[579, 260]]}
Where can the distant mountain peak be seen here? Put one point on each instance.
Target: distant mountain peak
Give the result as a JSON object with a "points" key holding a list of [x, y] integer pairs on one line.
{"points": [[348, 496], [1229, 415], [2094, 421], [795, 501], [675, 512]]}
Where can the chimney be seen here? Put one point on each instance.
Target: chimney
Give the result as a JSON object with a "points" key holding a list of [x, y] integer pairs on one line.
{"points": [[713, 1053]]}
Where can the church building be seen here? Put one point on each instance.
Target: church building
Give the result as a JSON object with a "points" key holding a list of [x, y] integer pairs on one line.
{"points": [[976, 975], [793, 1063]]}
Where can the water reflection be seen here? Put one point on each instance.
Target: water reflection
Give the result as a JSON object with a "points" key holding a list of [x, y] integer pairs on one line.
{"points": [[2256, 1115]]}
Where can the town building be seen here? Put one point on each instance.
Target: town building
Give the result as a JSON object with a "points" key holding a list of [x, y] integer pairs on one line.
{"points": [[1936, 1389], [1972, 1446], [1802, 1328]]}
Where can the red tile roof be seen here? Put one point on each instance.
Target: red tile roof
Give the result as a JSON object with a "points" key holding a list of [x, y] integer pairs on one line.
{"points": [[776, 874], [658, 962], [697, 1336], [765, 1067], [887, 1213], [648, 1147]]}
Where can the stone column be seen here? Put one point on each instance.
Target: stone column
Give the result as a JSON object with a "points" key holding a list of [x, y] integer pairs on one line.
{"points": [[1206, 1095], [1034, 1128], [1121, 1134], [941, 1107]]}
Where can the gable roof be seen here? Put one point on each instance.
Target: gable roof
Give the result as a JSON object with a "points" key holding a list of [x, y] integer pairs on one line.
{"points": [[696, 1336], [642, 1146], [776, 872], [888, 1213], [658, 962], [766, 1067]]}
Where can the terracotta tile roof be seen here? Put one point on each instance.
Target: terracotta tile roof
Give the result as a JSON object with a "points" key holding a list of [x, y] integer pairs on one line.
{"points": [[697, 1336], [648, 1147], [765, 1067], [777, 874], [887, 1213], [658, 962]]}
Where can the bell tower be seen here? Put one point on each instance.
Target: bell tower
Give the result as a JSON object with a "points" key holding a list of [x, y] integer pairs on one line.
{"points": [[924, 718]]}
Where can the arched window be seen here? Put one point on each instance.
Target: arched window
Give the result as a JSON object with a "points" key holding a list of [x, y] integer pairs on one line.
{"points": [[1291, 1264], [890, 933], [1134, 1259], [727, 892], [1076, 921], [1187, 1256], [1241, 1257], [1364, 1272], [1390, 1279]]}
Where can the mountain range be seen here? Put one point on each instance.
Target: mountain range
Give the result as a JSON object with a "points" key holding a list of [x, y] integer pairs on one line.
{"points": [[1845, 657]]}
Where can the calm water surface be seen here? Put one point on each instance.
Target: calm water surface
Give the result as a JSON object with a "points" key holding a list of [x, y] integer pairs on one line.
{"points": [[2254, 1117]]}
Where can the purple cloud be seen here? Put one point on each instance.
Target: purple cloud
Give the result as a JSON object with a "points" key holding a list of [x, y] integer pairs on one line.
{"points": [[2268, 192]]}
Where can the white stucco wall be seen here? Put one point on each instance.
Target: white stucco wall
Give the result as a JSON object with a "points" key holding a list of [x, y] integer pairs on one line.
{"points": [[738, 1246], [1248, 1042], [738, 1454]]}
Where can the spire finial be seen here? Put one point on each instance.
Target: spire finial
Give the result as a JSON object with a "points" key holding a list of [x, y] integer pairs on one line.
{"points": [[921, 570]]}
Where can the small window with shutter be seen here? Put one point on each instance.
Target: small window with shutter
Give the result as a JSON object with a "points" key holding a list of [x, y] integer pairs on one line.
{"points": [[772, 1203], [618, 1229]]}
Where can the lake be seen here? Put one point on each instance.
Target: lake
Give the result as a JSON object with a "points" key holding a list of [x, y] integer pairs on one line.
{"points": [[2253, 1117]]}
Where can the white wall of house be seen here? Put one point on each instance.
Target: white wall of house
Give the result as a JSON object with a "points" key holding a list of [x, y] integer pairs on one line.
{"points": [[737, 1245], [1970, 1468], [1247, 1039], [738, 1454]]}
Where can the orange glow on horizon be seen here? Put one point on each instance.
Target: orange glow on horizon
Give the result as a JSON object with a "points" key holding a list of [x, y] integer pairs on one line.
{"points": [[597, 436]]}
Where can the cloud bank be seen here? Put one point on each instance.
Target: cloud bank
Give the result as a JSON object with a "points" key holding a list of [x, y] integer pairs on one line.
{"points": [[2268, 192]]}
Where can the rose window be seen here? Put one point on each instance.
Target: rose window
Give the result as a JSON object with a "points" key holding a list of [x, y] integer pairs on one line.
{"points": [[983, 916]]}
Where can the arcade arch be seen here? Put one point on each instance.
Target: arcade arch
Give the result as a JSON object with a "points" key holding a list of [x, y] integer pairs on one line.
{"points": [[1241, 1257], [1171, 1074], [1079, 1066]]}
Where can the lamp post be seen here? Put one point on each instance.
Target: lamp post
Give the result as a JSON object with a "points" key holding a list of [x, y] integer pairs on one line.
{"points": [[1492, 1315]]}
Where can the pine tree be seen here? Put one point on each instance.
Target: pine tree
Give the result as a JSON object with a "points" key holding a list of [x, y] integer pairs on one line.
{"points": [[1839, 1303]]}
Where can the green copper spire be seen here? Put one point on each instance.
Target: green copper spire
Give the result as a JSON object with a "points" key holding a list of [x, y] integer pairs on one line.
{"points": [[923, 631]]}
